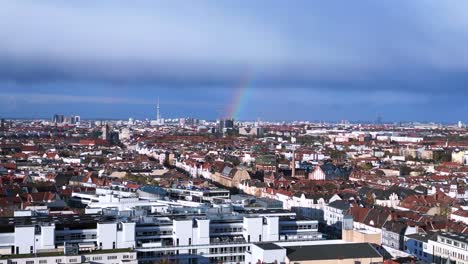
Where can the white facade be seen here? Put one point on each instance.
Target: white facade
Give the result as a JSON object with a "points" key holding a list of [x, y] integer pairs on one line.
{"points": [[449, 246], [333, 216], [393, 201], [308, 207], [222, 236], [275, 254], [127, 257]]}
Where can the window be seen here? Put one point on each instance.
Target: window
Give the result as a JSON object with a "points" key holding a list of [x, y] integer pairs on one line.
{"points": [[58, 261], [112, 257], [97, 258], [43, 261], [190, 241], [30, 262], [73, 260]]}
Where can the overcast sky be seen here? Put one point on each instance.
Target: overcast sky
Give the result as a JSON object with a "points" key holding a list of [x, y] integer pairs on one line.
{"points": [[310, 60]]}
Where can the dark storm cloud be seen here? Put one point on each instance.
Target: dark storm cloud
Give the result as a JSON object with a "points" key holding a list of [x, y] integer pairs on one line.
{"points": [[334, 45]]}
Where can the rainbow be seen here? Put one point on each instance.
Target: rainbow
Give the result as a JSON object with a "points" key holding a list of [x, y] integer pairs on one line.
{"points": [[239, 99]]}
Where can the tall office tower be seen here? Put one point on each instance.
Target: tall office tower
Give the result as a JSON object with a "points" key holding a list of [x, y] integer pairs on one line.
{"points": [[229, 123], [378, 119], [58, 118], [105, 132], [225, 125], [75, 119]]}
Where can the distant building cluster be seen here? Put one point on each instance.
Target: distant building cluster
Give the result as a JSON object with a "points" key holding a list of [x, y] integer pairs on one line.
{"points": [[61, 119]]}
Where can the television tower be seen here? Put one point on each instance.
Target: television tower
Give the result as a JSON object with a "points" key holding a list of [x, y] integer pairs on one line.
{"points": [[158, 116]]}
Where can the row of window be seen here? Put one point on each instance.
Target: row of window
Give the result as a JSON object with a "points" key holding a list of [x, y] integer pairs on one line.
{"points": [[453, 254], [227, 259], [154, 233], [300, 227], [75, 237], [73, 260], [454, 243], [226, 230], [228, 250]]}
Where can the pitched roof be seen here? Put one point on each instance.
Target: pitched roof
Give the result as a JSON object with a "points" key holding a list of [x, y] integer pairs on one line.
{"points": [[340, 204]]}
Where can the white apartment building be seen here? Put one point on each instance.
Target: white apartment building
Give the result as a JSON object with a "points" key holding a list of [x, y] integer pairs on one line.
{"points": [[312, 207], [98, 256], [334, 213], [186, 237], [449, 248]]}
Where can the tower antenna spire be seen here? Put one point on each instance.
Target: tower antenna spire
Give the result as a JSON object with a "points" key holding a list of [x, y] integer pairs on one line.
{"points": [[158, 116]]}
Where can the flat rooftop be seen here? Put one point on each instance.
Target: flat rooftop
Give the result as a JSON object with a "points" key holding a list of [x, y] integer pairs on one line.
{"points": [[455, 236], [334, 251], [268, 246]]}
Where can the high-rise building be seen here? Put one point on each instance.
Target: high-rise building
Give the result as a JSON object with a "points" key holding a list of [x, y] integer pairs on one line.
{"points": [[159, 120], [58, 118], [75, 119], [105, 132], [157, 111], [225, 125]]}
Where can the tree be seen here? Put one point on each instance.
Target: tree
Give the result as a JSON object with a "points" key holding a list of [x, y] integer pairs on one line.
{"points": [[367, 166], [370, 200], [337, 155], [445, 210]]}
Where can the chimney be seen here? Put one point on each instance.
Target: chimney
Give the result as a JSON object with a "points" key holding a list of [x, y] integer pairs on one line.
{"points": [[293, 165]]}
